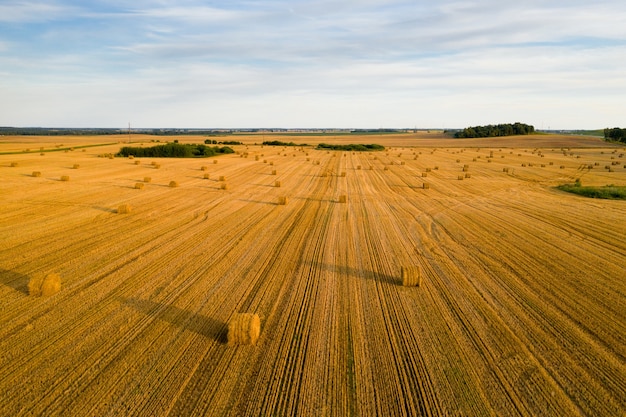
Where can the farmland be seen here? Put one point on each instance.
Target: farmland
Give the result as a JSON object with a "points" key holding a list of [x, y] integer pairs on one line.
{"points": [[520, 310]]}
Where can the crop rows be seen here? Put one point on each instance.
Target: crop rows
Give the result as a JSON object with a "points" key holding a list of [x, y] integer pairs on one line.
{"points": [[521, 310]]}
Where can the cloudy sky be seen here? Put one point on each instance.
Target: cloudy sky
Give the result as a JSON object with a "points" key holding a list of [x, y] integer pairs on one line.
{"points": [[558, 64]]}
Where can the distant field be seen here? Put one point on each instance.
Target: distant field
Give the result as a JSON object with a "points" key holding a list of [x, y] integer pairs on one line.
{"points": [[521, 308]]}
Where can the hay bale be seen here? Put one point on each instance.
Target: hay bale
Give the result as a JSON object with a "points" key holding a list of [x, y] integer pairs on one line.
{"points": [[424, 174], [75, 166], [139, 186], [137, 162], [358, 167], [343, 173], [36, 174], [273, 172], [411, 276], [44, 286], [468, 175], [157, 166], [204, 168], [206, 176], [147, 179], [426, 186], [65, 177], [223, 186], [282, 201], [461, 177], [343, 198], [222, 178], [14, 164], [123, 209], [277, 184], [215, 161], [386, 169], [173, 184], [244, 329]]}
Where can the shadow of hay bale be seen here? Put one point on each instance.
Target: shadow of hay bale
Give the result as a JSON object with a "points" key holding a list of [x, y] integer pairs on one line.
{"points": [[197, 323], [15, 280]]}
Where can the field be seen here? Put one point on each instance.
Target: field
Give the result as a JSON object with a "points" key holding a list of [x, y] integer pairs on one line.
{"points": [[521, 309]]}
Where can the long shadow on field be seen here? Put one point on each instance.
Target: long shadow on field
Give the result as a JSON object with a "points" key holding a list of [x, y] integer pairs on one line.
{"points": [[202, 325], [358, 273], [15, 280]]}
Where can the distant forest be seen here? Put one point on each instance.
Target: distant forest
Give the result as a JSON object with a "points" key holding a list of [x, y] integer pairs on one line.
{"points": [[616, 134], [488, 131]]}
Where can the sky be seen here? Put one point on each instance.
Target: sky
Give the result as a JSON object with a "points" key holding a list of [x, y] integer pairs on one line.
{"points": [[558, 64]]}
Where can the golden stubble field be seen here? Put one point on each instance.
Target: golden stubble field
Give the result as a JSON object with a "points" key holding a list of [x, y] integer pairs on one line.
{"points": [[521, 309]]}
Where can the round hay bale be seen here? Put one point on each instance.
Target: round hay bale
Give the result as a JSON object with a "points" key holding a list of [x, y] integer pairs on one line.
{"points": [[14, 164], [244, 329], [36, 174], [343, 173], [343, 198], [147, 179], [65, 177], [75, 166], [424, 174], [222, 178], [411, 276], [204, 168], [426, 186], [44, 286], [282, 201], [139, 186], [124, 208], [207, 176], [427, 169], [277, 184], [131, 156], [173, 184], [271, 162], [137, 162], [386, 169], [358, 167], [223, 186], [215, 161], [461, 177], [274, 172], [157, 166], [153, 163], [468, 175]]}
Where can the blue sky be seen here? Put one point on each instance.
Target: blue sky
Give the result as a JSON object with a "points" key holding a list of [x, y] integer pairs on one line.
{"points": [[328, 63]]}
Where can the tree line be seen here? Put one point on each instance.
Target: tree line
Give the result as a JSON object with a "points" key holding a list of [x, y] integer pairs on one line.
{"points": [[616, 134], [174, 150], [505, 129], [352, 147]]}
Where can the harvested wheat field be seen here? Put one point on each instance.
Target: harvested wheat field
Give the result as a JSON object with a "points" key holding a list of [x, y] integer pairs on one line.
{"points": [[520, 308]]}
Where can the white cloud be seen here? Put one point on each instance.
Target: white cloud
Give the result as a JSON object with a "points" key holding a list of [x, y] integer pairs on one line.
{"points": [[30, 11]]}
